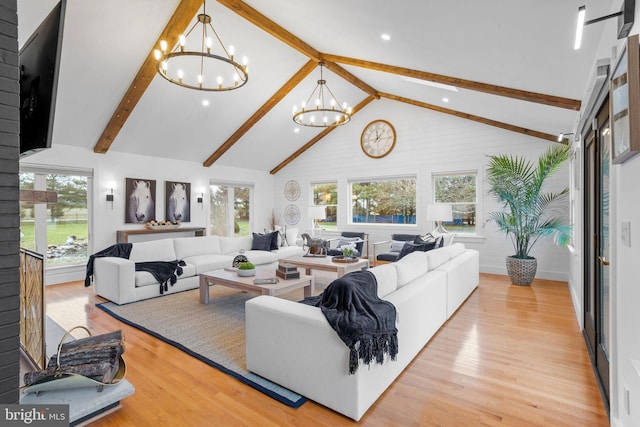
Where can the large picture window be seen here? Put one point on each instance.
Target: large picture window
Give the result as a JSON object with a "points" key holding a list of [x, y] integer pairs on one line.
{"points": [[458, 189], [58, 230], [326, 194], [384, 201], [230, 209]]}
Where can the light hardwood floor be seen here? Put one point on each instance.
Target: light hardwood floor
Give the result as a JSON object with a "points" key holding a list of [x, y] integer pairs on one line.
{"points": [[510, 356]]}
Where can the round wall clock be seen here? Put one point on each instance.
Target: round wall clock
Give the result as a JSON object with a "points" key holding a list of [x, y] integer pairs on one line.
{"points": [[292, 190], [378, 139], [291, 214]]}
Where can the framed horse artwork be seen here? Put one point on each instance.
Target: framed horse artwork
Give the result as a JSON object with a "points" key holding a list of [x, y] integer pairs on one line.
{"points": [[140, 206], [177, 201]]}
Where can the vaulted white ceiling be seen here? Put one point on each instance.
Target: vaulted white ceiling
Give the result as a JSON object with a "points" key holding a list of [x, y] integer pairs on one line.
{"points": [[515, 44]]}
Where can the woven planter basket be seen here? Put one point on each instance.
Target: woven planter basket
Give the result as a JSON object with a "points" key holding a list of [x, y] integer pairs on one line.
{"points": [[521, 271]]}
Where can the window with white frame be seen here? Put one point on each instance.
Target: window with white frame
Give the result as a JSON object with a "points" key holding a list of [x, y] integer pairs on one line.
{"points": [[460, 190], [326, 194], [384, 201]]}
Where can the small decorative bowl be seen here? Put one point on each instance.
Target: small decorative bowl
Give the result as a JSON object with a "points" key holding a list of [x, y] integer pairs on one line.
{"points": [[246, 273]]}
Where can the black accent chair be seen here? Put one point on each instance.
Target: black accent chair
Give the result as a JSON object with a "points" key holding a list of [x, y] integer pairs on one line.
{"points": [[344, 239], [392, 248]]}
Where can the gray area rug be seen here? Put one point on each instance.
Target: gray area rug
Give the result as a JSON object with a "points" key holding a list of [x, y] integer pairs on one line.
{"points": [[213, 333]]}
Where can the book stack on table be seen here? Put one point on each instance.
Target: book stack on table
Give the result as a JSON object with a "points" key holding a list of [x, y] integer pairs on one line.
{"points": [[287, 271]]}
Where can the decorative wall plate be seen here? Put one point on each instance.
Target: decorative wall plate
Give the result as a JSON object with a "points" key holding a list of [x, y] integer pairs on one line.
{"points": [[291, 214], [292, 190]]}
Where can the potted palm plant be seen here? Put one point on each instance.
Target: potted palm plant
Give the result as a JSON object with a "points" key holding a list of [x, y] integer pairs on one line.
{"points": [[527, 213]]}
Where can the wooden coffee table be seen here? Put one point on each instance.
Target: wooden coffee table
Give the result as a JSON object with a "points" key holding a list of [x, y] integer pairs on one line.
{"points": [[231, 279], [327, 264]]}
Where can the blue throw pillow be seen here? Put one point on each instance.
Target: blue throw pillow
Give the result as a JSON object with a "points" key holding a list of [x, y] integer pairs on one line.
{"points": [[429, 243], [262, 242], [410, 247]]}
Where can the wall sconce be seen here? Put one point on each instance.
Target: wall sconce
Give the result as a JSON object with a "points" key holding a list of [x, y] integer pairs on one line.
{"points": [[200, 198], [562, 139], [112, 185]]}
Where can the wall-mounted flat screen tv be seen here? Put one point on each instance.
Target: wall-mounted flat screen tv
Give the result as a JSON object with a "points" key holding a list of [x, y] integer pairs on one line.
{"points": [[39, 60]]}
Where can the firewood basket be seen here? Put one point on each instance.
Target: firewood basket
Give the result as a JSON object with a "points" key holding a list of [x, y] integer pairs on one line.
{"points": [[59, 380]]}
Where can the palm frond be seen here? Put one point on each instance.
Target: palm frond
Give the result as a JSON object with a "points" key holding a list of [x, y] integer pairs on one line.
{"points": [[527, 213]]}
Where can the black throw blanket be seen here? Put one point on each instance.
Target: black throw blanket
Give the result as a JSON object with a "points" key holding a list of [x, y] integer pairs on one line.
{"points": [[165, 272], [364, 322], [119, 250]]}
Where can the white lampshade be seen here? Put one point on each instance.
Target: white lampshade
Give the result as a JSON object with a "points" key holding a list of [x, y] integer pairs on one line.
{"points": [[439, 212], [317, 212]]}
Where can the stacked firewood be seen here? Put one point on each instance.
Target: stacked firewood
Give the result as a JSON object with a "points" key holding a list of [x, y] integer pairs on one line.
{"points": [[96, 357]]}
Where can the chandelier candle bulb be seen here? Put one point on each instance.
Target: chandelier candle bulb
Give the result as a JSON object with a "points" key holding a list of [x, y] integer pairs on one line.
{"points": [[206, 63]]}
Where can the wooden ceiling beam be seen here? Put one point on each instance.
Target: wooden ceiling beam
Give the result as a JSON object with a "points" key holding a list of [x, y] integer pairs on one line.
{"points": [[337, 69], [178, 22], [554, 101], [472, 117], [270, 27], [262, 111], [318, 137]]}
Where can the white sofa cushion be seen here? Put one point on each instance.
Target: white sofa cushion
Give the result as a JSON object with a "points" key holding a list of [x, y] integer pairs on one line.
{"points": [[260, 257], [232, 245], [437, 257], [190, 246], [155, 250], [387, 277], [456, 249], [288, 251], [204, 263], [411, 267]]}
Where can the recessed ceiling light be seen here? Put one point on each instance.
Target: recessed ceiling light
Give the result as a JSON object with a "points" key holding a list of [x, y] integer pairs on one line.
{"points": [[296, 130], [445, 100], [430, 83], [205, 102], [385, 36]]}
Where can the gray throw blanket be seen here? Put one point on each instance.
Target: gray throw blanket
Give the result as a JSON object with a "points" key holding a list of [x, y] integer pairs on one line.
{"points": [[364, 322], [165, 272]]}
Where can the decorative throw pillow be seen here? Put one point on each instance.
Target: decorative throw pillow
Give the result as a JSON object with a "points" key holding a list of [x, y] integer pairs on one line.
{"points": [[346, 240], [411, 247], [397, 245], [282, 238], [274, 240], [428, 243], [262, 242]]}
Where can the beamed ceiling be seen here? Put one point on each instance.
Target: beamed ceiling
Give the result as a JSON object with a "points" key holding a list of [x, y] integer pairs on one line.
{"points": [[513, 65]]}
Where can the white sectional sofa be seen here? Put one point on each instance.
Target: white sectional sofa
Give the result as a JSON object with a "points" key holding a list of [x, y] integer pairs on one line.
{"points": [[293, 345], [116, 279]]}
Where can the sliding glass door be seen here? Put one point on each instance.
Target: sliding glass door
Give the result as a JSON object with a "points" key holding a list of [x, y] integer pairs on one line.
{"points": [[230, 209], [60, 230]]}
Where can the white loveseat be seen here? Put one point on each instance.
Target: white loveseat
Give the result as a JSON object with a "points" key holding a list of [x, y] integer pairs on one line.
{"points": [[116, 279], [293, 345]]}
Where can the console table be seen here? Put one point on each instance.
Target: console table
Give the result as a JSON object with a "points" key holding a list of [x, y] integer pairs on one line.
{"points": [[122, 236]]}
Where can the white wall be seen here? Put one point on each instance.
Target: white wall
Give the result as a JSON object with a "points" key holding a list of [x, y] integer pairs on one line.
{"points": [[427, 142], [115, 167], [625, 269]]}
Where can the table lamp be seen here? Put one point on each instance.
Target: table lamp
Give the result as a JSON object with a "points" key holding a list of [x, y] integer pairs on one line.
{"points": [[439, 213]]}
